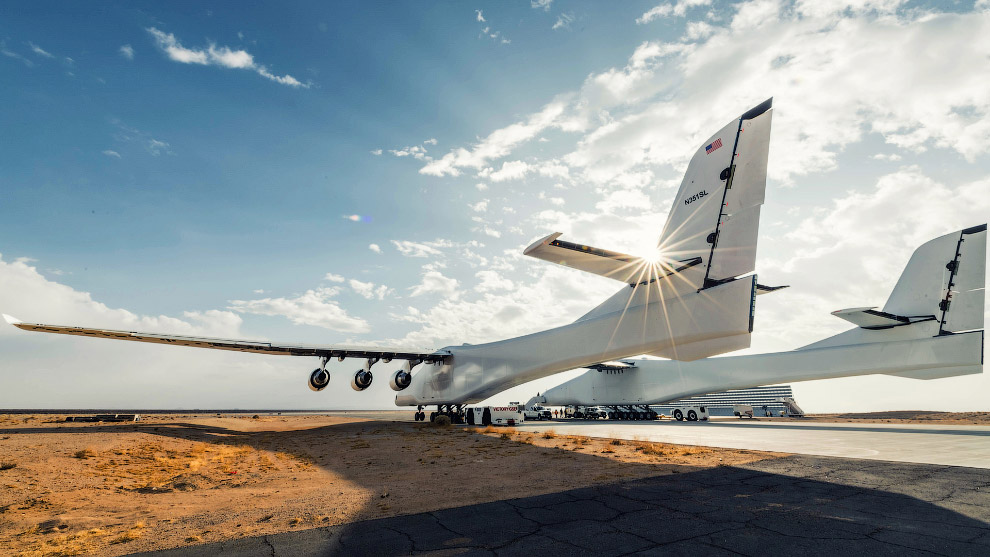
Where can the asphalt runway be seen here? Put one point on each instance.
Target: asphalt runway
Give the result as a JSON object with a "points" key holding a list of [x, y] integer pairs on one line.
{"points": [[950, 445], [796, 505]]}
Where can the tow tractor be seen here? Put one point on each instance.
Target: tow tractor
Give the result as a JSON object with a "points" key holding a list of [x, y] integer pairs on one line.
{"points": [[691, 413]]}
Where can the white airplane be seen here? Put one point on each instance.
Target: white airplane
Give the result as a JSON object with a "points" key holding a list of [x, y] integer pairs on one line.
{"points": [[695, 299], [931, 327]]}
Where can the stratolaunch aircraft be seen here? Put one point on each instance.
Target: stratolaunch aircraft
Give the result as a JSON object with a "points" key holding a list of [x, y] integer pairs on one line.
{"points": [[694, 300], [931, 327]]}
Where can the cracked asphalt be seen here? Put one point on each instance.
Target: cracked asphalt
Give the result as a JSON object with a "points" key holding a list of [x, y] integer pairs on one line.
{"points": [[798, 504]]}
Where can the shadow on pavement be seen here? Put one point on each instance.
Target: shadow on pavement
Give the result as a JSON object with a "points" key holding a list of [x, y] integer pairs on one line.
{"points": [[793, 505]]}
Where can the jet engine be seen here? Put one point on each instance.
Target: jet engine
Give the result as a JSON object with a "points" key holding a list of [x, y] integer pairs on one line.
{"points": [[400, 380], [362, 380], [319, 379]]}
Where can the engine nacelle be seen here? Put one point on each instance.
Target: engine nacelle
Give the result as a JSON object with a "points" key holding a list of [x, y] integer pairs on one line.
{"points": [[400, 380], [362, 380], [319, 379]]}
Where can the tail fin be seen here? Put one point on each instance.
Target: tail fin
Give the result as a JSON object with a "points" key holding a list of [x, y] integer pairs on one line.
{"points": [[946, 277], [716, 213]]}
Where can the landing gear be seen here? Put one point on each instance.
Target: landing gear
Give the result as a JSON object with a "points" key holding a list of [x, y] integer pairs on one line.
{"points": [[453, 411]]}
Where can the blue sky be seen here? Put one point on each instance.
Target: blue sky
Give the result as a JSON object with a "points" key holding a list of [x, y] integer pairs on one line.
{"points": [[371, 172]]}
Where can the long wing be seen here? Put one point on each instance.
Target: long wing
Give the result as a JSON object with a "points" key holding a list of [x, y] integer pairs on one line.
{"points": [[237, 345]]}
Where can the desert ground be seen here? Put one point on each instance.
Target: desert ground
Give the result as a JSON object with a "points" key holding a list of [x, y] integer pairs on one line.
{"points": [[176, 480]]}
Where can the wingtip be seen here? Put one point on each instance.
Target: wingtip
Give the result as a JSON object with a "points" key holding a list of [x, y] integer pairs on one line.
{"points": [[11, 320]]}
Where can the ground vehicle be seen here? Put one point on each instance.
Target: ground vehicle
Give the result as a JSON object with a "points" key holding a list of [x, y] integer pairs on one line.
{"points": [[691, 413], [495, 415], [742, 410], [590, 413], [538, 412]]}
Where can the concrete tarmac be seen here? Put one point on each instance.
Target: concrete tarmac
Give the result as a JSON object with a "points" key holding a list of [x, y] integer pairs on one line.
{"points": [[796, 505], [951, 445]]}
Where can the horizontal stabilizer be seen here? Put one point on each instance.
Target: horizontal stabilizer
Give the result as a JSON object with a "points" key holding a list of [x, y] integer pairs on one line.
{"points": [[870, 318], [764, 289], [611, 264]]}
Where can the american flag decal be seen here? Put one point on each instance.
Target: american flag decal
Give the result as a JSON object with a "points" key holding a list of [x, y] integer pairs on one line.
{"points": [[713, 146]]}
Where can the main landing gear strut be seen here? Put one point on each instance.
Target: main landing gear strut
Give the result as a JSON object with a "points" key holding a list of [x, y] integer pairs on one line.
{"points": [[453, 411]]}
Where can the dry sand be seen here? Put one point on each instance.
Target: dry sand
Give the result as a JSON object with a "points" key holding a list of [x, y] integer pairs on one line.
{"points": [[175, 480]]}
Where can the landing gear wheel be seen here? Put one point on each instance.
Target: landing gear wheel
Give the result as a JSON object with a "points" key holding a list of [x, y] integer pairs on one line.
{"points": [[678, 415], [692, 416], [433, 417]]}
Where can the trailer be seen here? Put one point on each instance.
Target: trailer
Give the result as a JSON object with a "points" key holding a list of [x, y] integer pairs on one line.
{"points": [[741, 410]]}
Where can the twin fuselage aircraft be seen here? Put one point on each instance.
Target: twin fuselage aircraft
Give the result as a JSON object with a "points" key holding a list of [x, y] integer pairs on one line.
{"points": [[696, 299]]}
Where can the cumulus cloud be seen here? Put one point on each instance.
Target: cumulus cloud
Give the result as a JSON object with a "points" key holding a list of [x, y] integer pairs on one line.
{"points": [[375, 248], [127, 51], [213, 55], [434, 282], [314, 307], [369, 290], [333, 277]]}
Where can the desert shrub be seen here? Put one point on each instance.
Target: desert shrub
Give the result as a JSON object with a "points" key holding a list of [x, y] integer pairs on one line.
{"points": [[88, 452], [616, 442], [442, 421], [549, 434]]}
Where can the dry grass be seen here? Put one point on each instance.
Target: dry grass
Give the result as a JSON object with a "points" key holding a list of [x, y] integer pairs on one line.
{"points": [[652, 449], [616, 442], [88, 452], [549, 434], [134, 533]]}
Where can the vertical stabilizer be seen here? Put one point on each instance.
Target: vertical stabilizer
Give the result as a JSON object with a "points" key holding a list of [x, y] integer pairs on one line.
{"points": [[716, 213], [946, 277]]}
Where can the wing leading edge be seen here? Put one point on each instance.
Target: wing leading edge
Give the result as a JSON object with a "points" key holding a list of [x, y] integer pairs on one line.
{"points": [[237, 345]]}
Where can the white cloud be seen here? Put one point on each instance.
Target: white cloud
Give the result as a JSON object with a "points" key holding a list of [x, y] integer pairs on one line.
{"points": [[375, 248], [415, 249], [481, 186], [376, 152], [491, 281], [479, 207], [127, 51], [487, 32], [678, 9], [111, 153], [369, 290], [541, 4], [434, 282], [40, 51], [333, 277], [479, 16], [217, 56], [157, 147], [11, 54], [564, 21], [314, 307]]}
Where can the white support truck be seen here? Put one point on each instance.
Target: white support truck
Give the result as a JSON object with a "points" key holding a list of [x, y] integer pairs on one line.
{"points": [[495, 415], [690, 413]]}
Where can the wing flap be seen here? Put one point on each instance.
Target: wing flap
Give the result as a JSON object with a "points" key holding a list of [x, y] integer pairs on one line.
{"points": [[236, 345]]}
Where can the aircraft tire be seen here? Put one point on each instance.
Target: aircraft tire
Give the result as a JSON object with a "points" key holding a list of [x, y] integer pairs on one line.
{"points": [[433, 417]]}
